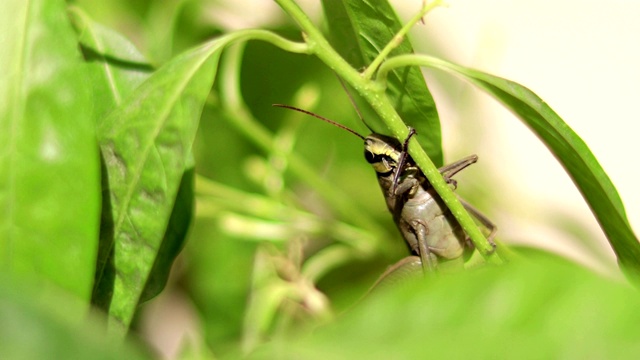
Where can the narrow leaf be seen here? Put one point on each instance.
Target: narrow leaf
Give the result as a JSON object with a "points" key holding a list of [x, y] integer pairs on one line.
{"points": [[359, 30], [571, 152], [49, 163], [145, 144]]}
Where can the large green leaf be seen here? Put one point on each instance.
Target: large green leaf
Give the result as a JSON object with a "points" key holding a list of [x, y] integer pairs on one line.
{"points": [[117, 68], [545, 308], [359, 30], [34, 327], [49, 162], [571, 152], [145, 144]]}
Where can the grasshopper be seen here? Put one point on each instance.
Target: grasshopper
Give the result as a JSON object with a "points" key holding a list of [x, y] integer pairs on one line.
{"points": [[428, 227]]}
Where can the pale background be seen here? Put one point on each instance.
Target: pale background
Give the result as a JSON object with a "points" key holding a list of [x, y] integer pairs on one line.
{"points": [[583, 59]]}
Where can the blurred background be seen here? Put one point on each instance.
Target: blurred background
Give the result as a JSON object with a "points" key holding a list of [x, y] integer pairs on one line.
{"points": [[580, 56]]}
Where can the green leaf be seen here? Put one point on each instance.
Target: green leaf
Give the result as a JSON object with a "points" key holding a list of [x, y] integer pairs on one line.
{"points": [[219, 281], [545, 308], [115, 65], [36, 327], [174, 237], [49, 162], [573, 154], [117, 68], [145, 144], [360, 30]]}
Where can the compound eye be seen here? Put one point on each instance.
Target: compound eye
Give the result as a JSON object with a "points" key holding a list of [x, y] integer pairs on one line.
{"points": [[370, 157]]}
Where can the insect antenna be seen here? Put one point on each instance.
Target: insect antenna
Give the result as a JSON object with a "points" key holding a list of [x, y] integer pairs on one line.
{"points": [[351, 99], [321, 118]]}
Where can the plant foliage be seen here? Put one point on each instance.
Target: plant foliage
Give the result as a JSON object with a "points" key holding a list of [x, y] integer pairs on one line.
{"points": [[116, 163]]}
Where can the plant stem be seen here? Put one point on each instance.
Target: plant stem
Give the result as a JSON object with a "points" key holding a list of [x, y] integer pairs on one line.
{"points": [[266, 208], [398, 38], [448, 197]]}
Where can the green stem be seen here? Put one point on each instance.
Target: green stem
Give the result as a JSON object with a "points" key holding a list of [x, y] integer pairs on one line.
{"points": [[421, 158], [374, 93], [268, 36], [411, 60], [264, 207], [398, 38], [320, 47]]}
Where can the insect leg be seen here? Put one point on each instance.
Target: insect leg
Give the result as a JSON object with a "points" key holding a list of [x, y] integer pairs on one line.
{"points": [[401, 162], [428, 262], [448, 171], [406, 185], [406, 268], [483, 220]]}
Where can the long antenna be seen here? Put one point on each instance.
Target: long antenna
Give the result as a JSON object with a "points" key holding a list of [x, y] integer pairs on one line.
{"points": [[352, 100], [321, 118]]}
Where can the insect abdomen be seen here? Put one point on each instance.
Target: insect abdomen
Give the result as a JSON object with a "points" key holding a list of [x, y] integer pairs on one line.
{"points": [[443, 234]]}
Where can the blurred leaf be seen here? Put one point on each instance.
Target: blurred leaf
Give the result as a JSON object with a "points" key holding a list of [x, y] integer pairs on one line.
{"points": [[192, 25], [145, 143], [360, 30], [219, 281], [116, 68], [34, 327], [160, 25], [176, 25], [125, 15], [49, 163], [115, 65], [543, 309], [572, 153]]}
